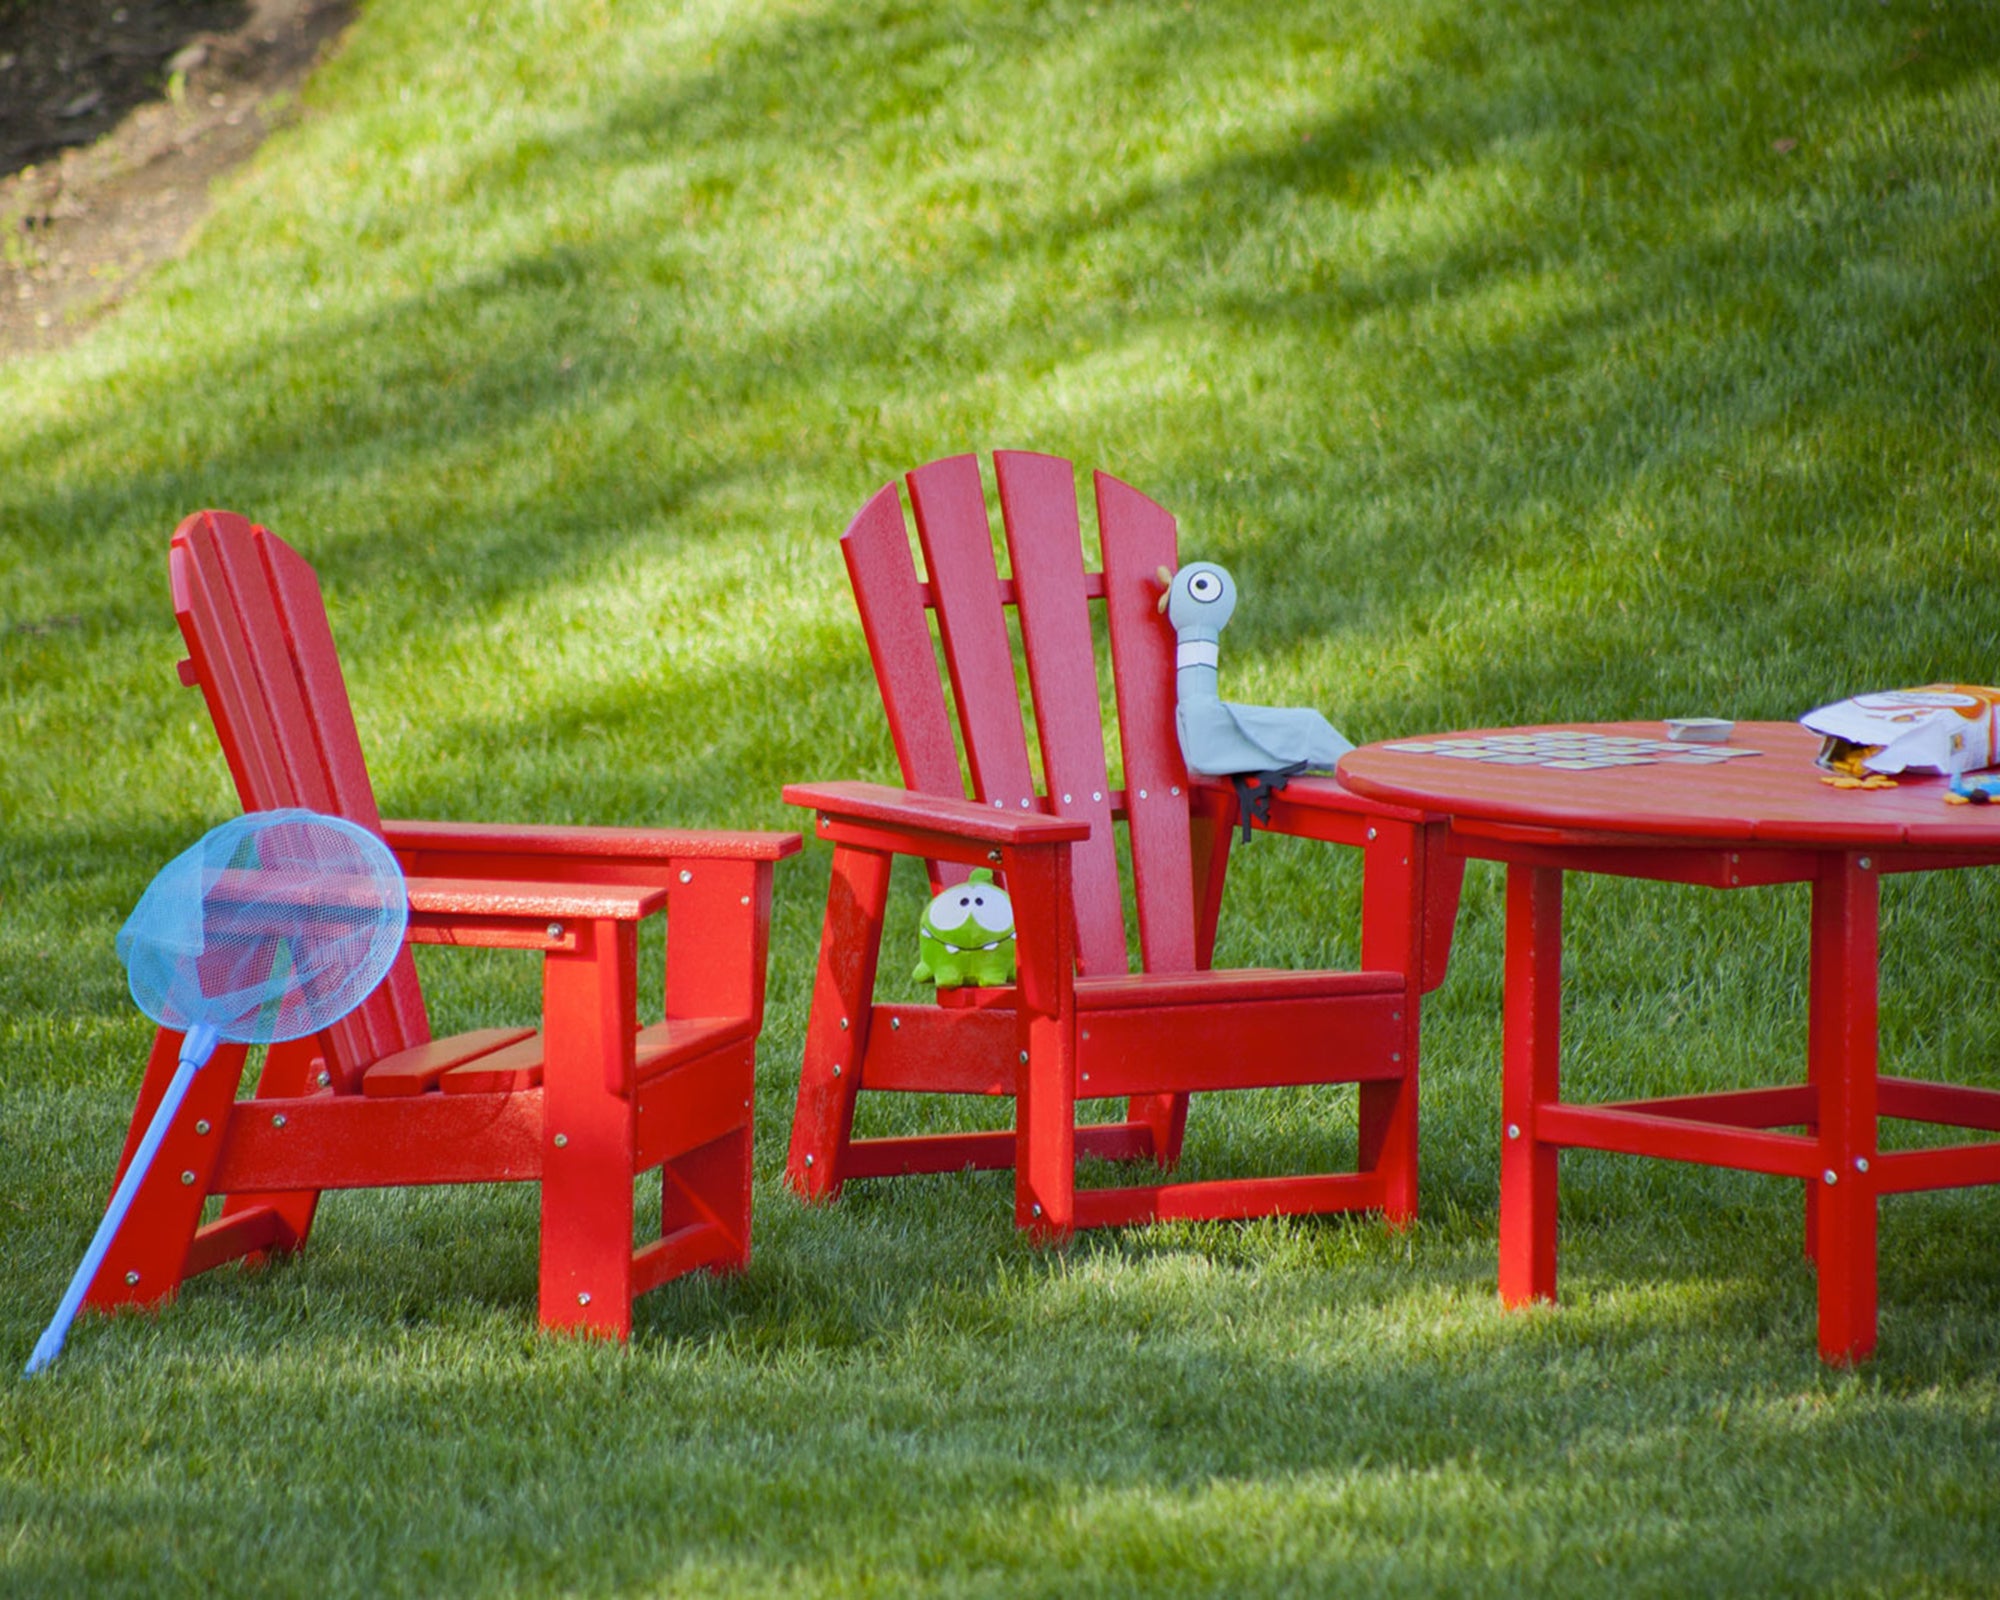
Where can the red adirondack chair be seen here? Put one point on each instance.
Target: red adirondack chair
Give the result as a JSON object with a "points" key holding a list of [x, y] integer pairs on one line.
{"points": [[582, 1106], [1078, 1024]]}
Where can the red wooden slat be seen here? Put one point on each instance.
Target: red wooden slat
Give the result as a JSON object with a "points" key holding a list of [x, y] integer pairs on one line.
{"points": [[1139, 538], [876, 547], [1787, 1155], [418, 1069], [897, 809], [506, 1071], [958, 555], [1228, 1199], [227, 676], [956, 1152], [330, 731], [614, 848], [349, 1141], [1954, 1105], [1045, 549], [1230, 985], [253, 632]]}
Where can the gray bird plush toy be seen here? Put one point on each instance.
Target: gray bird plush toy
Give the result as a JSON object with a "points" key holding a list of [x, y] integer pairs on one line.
{"points": [[1258, 748]]}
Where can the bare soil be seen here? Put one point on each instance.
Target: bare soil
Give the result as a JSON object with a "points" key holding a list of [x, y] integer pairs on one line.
{"points": [[116, 118]]}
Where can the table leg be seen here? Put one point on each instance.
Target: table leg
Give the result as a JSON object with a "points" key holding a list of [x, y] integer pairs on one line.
{"points": [[1842, 1065], [1530, 1075]]}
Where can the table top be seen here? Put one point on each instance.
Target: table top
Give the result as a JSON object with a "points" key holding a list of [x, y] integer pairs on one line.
{"points": [[1689, 793]]}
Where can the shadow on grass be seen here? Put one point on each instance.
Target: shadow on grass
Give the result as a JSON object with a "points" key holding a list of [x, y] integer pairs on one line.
{"points": [[1267, 1400]]}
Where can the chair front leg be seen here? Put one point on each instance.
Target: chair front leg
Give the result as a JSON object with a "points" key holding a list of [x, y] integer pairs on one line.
{"points": [[1045, 1092], [589, 1130], [1392, 938], [148, 1258], [850, 948]]}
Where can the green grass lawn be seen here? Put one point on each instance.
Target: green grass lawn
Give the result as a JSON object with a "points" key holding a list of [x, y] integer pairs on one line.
{"points": [[1524, 361]]}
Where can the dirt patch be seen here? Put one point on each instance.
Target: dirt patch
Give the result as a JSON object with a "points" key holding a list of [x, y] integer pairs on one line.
{"points": [[116, 116]]}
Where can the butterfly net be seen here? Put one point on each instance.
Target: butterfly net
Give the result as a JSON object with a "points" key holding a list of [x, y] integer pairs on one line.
{"points": [[271, 927]]}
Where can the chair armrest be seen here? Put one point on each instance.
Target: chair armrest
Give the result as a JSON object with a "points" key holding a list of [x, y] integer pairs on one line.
{"points": [[447, 897], [517, 915], [907, 820], [1313, 808], [630, 844]]}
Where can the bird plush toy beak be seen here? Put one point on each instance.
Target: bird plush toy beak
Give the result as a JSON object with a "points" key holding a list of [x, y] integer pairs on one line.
{"points": [[1166, 588]]}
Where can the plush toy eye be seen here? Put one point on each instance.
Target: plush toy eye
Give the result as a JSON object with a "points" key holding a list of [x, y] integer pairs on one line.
{"points": [[1205, 586], [950, 912], [993, 911]]}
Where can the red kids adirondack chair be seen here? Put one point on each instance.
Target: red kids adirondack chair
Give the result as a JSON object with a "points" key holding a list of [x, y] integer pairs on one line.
{"points": [[1078, 1024], [581, 1106]]}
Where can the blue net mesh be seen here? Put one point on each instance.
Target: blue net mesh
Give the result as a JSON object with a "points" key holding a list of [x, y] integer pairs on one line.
{"points": [[272, 926]]}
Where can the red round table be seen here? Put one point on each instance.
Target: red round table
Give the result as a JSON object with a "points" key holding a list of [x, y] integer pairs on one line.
{"points": [[1689, 814]]}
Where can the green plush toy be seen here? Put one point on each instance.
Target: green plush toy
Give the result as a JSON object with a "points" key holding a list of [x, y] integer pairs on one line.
{"points": [[967, 935]]}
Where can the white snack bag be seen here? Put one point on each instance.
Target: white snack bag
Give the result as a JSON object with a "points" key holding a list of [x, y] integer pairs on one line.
{"points": [[1942, 727]]}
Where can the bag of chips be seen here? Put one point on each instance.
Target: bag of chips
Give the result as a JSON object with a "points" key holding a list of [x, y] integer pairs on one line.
{"points": [[1942, 727]]}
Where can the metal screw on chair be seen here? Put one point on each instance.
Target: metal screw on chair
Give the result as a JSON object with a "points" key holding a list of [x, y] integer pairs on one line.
{"points": [[201, 1126], [1513, 1130], [895, 1023], [686, 876], [1371, 833], [325, 1078], [843, 1024], [278, 1121], [1142, 794], [1024, 1058], [1865, 863], [1860, 1163], [131, 1277], [584, 1298], [836, 1069], [993, 855], [1035, 1210], [809, 1160], [187, 1177], [561, 1140], [555, 930], [1831, 1176]]}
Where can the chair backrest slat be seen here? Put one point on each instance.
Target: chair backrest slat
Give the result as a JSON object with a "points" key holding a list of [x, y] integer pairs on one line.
{"points": [[251, 611], [1045, 553], [890, 598], [965, 585], [1138, 538]]}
